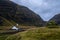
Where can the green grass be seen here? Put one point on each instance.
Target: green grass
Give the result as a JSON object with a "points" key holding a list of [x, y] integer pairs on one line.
{"points": [[37, 34], [4, 36]]}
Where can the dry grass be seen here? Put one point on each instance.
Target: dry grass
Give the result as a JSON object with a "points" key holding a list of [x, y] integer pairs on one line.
{"points": [[37, 34]]}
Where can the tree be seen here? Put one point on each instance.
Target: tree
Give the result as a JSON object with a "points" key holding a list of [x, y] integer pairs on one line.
{"points": [[52, 24]]}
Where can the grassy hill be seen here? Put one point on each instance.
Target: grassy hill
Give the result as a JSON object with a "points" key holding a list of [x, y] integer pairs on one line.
{"points": [[37, 34], [6, 22]]}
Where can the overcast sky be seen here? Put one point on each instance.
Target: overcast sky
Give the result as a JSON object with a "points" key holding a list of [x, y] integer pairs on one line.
{"points": [[45, 8]]}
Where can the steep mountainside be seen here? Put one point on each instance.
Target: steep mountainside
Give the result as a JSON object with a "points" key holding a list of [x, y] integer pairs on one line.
{"points": [[56, 18], [14, 13]]}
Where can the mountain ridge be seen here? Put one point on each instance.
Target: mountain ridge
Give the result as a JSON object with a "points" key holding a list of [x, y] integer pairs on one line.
{"points": [[19, 14], [56, 19]]}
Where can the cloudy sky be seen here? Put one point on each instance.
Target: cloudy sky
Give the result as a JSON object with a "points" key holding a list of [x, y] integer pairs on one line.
{"points": [[45, 8]]}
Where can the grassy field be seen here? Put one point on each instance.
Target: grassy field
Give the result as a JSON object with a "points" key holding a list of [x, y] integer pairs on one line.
{"points": [[6, 33], [5, 29], [41, 33], [4, 36]]}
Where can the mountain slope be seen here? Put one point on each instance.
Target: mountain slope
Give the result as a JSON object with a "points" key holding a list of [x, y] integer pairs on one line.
{"points": [[56, 18], [19, 14]]}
